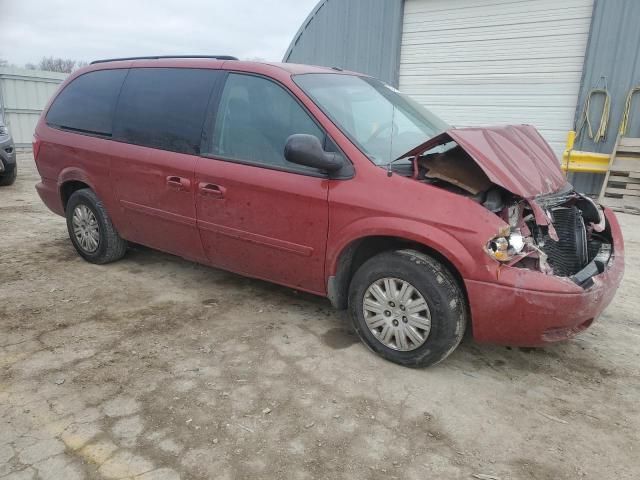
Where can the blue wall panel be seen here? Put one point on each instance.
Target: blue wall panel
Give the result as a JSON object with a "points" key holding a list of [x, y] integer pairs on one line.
{"points": [[360, 35]]}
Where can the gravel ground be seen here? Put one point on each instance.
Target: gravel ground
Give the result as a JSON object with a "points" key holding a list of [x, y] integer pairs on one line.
{"points": [[158, 368]]}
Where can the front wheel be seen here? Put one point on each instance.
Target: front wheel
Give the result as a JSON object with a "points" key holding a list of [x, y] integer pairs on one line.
{"points": [[90, 229], [407, 307]]}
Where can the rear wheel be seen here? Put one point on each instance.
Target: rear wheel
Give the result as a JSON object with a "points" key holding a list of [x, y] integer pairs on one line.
{"points": [[9, 178], [408, 308], [90, 229]]}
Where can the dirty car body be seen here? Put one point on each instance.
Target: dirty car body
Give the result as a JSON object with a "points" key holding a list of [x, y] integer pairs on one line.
{"points": [[320, 186]]}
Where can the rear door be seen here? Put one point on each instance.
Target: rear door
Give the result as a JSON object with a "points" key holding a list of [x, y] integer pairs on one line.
{"points": [[258, 214], [159, 122]]}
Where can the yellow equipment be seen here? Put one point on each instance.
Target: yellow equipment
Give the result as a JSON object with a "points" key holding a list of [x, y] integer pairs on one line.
{"points": [[589, 162], [583, 162]]}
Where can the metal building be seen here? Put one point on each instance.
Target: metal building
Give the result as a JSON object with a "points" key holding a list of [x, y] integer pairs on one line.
{"points": [[23, 96], [482, 62]]}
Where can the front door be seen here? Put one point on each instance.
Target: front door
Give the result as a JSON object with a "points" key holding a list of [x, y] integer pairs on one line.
{"points": [[258, 214]]}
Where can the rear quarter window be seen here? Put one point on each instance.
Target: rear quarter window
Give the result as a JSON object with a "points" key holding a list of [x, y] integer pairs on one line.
{"points": [[87, 104], [164, 108]]}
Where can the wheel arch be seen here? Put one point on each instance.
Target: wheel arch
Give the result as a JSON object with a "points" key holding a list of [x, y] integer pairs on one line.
{"points": [[68, 188], [356, 252], [71, 180]]}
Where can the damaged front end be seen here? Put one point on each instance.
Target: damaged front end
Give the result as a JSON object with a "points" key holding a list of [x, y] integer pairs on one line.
{"points": [[563, 234], [511, 171]]}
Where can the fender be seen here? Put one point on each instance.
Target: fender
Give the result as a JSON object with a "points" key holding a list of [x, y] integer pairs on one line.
{"points": [[428, 235], [419, 232]]}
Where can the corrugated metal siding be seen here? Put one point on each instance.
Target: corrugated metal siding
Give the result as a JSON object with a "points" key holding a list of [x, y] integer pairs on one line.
{"points": [[359, 35], [23, 96], [613, 52], [480, 62]]}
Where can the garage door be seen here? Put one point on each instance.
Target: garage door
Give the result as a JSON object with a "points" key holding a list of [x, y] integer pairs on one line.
{"points": [[476, 62]]}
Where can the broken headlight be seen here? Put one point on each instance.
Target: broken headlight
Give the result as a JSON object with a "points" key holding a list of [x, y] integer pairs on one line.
{"points": [[505, 247]]}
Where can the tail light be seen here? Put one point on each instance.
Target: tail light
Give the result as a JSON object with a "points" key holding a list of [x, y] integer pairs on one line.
{"points": [[36, 147]]}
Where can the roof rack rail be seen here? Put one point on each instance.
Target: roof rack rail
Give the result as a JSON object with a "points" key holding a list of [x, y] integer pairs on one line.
{"points": [[158, 57]]}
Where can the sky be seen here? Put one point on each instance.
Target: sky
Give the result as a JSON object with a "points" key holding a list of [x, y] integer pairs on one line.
{"points": [[89, 30]]}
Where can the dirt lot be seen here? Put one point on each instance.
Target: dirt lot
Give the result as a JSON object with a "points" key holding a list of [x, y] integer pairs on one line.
{"points": [[157, 368]]}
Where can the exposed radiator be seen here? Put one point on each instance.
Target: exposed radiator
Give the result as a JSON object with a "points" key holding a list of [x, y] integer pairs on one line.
{"points": [[570, 253]]}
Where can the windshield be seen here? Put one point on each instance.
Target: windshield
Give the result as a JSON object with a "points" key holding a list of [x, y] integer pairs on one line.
{"points": [[379, 119]]}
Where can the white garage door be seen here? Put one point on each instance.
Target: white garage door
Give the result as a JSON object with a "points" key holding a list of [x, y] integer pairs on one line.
{"points": [[484, 62]]}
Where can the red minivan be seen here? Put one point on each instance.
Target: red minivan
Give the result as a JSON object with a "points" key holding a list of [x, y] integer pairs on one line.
{"points": [[333, 183]]}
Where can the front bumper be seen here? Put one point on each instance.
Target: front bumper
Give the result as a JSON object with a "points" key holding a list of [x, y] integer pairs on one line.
{"points": [[525, 309]]}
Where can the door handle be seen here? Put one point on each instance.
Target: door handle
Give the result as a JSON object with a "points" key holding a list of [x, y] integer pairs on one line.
{"points": [[178, 183], [212, 190]]}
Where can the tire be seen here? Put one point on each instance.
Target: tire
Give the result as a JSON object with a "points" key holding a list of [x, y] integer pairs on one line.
{"points": [[446, 308], [110, 246], [9, 178]]}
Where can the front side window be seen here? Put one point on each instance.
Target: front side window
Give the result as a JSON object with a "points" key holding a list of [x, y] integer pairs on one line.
{"points": [[87, 104], [164, 108], [381, 121], [254, 120]]}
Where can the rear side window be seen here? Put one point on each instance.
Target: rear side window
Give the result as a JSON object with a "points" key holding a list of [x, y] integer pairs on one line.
{"points": [[164, 108], [87, 104]]}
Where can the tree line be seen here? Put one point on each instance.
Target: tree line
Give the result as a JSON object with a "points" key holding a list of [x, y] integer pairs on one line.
{"points": [[51, 64]]}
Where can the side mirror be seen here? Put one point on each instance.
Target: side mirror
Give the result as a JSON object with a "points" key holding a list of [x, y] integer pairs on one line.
{"points": [[307, 150]]}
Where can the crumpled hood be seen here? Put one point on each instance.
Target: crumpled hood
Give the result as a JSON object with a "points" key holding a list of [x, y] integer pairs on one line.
{"points": [[515, 157]]}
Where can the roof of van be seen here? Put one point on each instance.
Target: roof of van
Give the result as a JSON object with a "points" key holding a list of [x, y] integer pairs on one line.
{"points": [[210, 61]]}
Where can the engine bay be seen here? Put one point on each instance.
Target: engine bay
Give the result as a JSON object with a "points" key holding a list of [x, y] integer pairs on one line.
{"points": [[563, 234]]}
